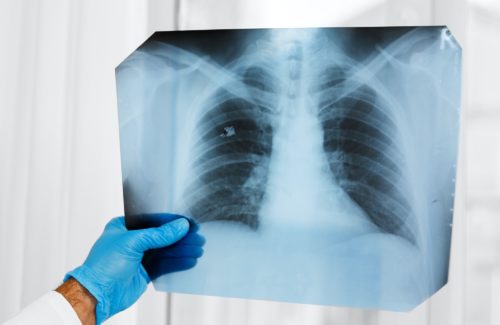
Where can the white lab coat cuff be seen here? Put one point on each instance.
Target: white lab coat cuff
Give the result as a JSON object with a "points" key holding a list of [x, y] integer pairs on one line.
{"points": [[50, 309]]}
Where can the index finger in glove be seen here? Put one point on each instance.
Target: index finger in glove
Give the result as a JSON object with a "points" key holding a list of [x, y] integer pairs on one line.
{"points": [[165, 235]]}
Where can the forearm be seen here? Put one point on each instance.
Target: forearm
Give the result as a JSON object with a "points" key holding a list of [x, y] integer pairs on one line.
{"points": [[80, 299]]}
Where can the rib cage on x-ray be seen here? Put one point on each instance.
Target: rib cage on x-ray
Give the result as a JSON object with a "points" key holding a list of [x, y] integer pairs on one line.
{"points": [[360, 140], [319, 162]]}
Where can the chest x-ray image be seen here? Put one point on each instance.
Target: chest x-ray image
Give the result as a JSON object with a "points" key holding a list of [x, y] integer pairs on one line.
{"points": [[319, 163]]}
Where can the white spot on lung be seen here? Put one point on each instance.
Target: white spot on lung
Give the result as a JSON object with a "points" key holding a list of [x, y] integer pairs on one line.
{"points": [[229, 131]]}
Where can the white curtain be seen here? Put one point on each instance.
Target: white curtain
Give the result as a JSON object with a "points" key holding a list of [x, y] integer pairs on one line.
{"points": [[60, 175], [60, 178]]}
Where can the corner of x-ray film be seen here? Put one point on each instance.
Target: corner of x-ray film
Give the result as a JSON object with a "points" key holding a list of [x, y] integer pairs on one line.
{"points": [[319, 162]]}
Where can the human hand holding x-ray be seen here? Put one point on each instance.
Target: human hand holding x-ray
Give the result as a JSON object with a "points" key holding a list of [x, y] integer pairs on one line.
{"points": [[113, 273], [180, 256]]}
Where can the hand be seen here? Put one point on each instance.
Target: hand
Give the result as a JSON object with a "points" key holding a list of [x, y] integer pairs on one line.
{"points": [[113, 272], [180, 256]]}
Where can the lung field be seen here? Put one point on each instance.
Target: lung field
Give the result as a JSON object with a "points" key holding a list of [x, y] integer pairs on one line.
{"points": [[231, 165]]}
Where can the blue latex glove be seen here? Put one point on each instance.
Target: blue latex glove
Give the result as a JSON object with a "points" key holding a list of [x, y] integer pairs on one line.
{"points": [[180, 256], [113, 272]]}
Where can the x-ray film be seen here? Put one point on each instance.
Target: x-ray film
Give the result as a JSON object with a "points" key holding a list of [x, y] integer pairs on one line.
{"points": [[318, 162]]}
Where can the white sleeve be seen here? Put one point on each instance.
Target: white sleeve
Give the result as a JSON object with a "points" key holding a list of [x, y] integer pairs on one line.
{"points": [[50, 309]]}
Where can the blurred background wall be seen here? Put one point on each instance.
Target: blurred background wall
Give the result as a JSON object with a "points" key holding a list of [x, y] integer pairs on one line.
{"points": [[60, 175]]}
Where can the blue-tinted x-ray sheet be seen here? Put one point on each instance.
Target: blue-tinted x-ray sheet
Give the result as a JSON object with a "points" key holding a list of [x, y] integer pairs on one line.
{"points": [[319, 163]]}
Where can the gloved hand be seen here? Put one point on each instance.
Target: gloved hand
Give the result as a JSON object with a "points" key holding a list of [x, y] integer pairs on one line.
{"points": [[113, 272], [180, 256]]}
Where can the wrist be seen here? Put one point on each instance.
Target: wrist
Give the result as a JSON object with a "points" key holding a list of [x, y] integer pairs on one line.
{"points": [[97, 286], [82, 301]]}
